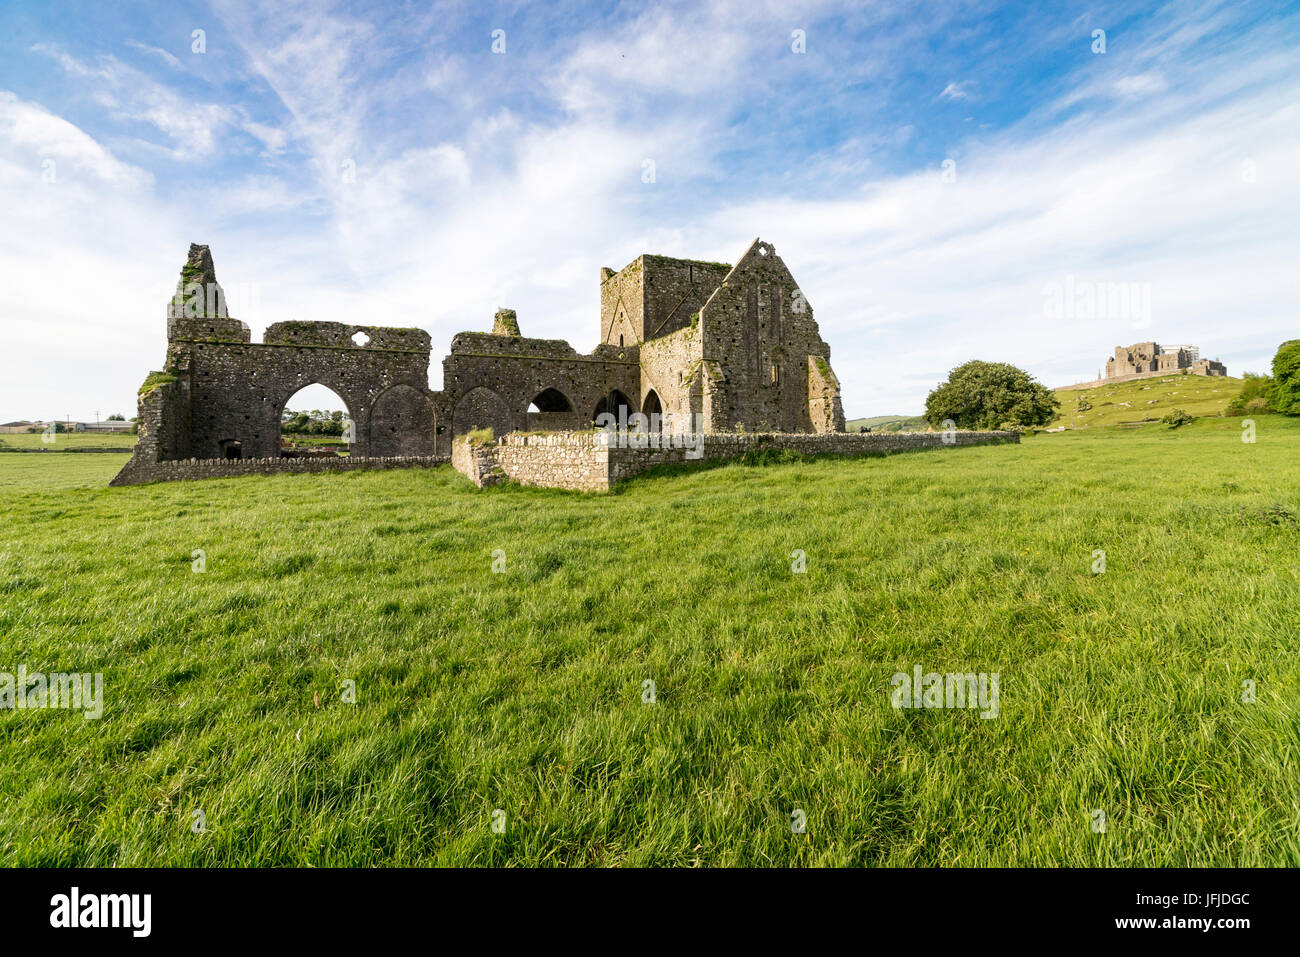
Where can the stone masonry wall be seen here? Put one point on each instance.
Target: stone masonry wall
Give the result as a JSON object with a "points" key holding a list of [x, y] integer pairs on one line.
{"points": [[163, 418], [622, 305], [138, 473], [671, 368], [588, 462], [759, 330], [675, 291], [572, 460], [239, 390], [475, 460], [490, 380]]}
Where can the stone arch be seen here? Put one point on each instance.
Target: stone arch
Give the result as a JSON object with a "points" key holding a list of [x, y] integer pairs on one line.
{"points": [[402, 423], [349, 430], [551, 410], [653, 410], [551, 400], [481, 408], [611, 403]]}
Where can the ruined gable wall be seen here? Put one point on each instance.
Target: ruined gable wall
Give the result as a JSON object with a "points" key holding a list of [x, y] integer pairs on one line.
{"points": [[761, 334]]}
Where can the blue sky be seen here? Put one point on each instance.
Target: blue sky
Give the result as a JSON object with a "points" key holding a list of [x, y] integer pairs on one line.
{"points": [[927, 171]]}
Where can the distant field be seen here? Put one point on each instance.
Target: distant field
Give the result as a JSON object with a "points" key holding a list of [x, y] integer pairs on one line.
{"points": [[525, 690], [889, 423], [67, 440], [85, 440], [1147, 400]]}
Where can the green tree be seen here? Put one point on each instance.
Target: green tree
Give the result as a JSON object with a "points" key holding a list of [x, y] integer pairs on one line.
{"points": [[1284, 395], [1254, 395], [990, 395]]}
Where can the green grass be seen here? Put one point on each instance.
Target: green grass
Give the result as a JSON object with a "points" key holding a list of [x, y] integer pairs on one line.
{"points": [[64, 441], [314, 440], [1147, 400], [523, 690]]}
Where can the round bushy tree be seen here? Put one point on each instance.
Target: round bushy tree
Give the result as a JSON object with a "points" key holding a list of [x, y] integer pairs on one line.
{"points": [[1285, 392], [990, 395]]}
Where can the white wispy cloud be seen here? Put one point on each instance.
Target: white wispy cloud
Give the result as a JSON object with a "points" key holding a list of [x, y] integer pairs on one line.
{"points": [[190, 127], [168, 58], [34, 135], [1141, 84]]}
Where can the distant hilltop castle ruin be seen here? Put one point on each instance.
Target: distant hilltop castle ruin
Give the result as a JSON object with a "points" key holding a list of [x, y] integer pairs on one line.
{"points": [[1150, 358], [1143, 360]]}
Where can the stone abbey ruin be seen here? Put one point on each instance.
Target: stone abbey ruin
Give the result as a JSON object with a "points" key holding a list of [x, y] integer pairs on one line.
{"points": [[698, 359]]}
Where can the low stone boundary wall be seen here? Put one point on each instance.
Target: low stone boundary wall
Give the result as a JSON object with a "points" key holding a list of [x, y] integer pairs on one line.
{"points": [[478, 462], [592, 461], [137, 473]]}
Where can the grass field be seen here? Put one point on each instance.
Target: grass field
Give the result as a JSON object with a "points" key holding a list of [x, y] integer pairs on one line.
{"points": [[64, 441], [1147, 400], [523, 690]]}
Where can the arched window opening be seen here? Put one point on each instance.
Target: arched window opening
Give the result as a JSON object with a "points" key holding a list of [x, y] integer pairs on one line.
{"points": [[653, 410], [616, 404], [315, 423], [550, 400], [551, 410]]}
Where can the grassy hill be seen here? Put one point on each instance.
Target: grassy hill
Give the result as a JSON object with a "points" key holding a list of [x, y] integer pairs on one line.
{"points": [[1146, 400], [888, 423], [524, 690]]}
